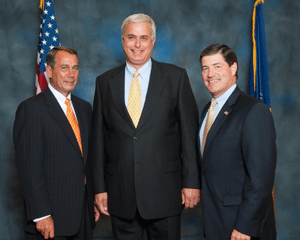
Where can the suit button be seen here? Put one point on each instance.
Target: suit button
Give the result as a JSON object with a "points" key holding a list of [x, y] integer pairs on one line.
{"points": [[203, 172], [132, 162]]}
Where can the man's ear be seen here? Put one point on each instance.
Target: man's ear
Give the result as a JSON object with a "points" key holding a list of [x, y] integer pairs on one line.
{"points": [[233, 68], [49, 71]]}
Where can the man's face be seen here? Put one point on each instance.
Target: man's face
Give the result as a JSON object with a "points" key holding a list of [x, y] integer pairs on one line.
{"points": [[64, 75], [217, 76], [137, 44]]}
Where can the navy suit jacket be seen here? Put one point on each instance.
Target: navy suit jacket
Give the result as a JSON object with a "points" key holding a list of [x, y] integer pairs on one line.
{"points": [[50, 163], [146, 167], [238, 168]]}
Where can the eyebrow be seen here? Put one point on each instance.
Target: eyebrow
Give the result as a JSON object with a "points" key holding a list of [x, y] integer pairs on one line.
{"points": [[214, 64], [132, 35], [67, 65]]}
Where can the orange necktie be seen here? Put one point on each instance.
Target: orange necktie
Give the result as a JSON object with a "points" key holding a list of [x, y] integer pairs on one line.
{"points": [[73, 122]]}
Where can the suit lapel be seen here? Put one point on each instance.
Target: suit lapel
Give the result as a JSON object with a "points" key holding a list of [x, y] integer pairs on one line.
{"points": [[222, 116], [156, 83], [55, 110], [116, 84], [157, 80], [201, 119]]}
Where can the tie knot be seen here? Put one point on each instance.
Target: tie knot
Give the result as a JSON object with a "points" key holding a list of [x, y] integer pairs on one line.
{"points": [[67, 102], [136, 74], [213, 102]]}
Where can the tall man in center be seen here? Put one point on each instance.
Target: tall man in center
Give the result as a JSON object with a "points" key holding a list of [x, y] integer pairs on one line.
{"points": [[145, 140]]}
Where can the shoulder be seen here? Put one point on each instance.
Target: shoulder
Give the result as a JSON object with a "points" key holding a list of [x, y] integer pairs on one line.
{"points": [[167, 67], [78, 99], [253, 107], [85, 104], [34, 101], [30, 111], [112, 72], [250, 101]]}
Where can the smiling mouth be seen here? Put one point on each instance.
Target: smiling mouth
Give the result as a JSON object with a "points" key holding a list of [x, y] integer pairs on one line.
{"points": [[213, 81]]}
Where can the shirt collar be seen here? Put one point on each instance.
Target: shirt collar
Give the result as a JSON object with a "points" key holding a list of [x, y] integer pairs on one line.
{"points": [[58, 95], [223, 98], [142, 71]]}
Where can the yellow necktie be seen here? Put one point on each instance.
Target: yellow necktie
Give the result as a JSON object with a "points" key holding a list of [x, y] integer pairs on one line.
{"points": [[73, 122], [135, 100], [209, 122]]}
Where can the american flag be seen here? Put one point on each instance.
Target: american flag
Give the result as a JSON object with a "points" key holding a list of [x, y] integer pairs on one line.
{"points": [[48, 39]]}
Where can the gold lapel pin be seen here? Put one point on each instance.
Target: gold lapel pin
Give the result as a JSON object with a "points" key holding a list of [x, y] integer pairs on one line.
{"points": [[226, 113]]}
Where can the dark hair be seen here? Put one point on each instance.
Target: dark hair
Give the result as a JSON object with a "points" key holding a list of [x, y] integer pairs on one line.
{"points": [[51, 56], [227, 53]]}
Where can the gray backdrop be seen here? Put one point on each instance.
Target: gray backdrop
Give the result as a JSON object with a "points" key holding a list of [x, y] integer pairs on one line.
{"points": [[184, 29]]}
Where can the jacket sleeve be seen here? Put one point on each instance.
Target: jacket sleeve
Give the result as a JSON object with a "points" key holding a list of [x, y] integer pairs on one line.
{"points": [[188, 120], [98, 152], [28, 141], [259, 155]]}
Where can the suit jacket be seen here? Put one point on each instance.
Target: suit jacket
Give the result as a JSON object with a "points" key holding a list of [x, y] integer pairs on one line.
{"points": [[146, 167], [238, 168], [50, 163]]}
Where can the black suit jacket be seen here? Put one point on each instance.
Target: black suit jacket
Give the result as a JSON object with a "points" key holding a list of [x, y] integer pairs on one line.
{"points": [[238, 168], [146, 167], [50, 163]]}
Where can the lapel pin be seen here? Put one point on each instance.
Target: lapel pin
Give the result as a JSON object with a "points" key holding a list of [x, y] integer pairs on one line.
{"points": [[226, 113]]}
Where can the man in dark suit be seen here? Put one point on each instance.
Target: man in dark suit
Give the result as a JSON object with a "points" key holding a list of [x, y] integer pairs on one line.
{"points": [[51, 155], [238, 155], [145, 157]]}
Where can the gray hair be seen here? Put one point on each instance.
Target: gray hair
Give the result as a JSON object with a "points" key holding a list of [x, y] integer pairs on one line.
{"points": [[139, 18]]}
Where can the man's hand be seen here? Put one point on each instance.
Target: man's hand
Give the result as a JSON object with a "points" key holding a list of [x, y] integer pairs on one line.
{"points": [[239, 236], [46, 227], [96, 213], [101, 202], [190, 197]]}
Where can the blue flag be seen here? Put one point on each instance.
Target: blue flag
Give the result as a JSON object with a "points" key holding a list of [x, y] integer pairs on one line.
{"points": [[259, 76], [48, 39]]}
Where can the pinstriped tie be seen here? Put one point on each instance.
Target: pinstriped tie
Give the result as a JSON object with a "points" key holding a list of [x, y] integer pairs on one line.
{"points": [[209, 122], [73, 122], [135, 100]]}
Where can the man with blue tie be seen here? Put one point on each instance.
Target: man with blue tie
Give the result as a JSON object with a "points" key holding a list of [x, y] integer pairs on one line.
{"points": [[238, 154]]}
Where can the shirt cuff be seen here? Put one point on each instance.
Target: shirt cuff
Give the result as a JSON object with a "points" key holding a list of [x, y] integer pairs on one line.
{"points": [[41, 218]]}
